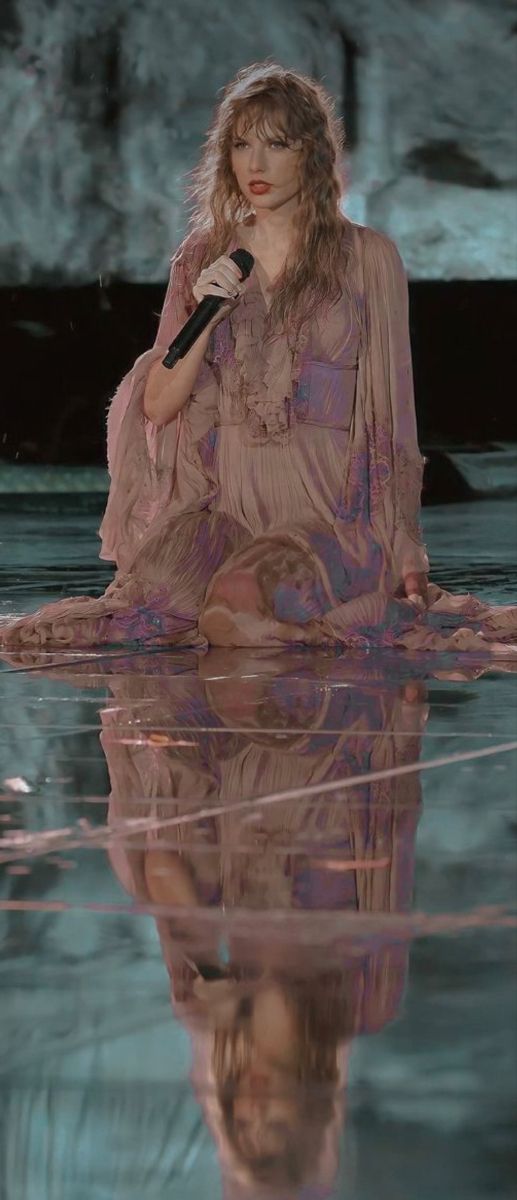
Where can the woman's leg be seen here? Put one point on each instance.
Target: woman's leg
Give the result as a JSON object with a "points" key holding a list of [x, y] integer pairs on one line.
{"points": [[267, 594], [283, 588]]}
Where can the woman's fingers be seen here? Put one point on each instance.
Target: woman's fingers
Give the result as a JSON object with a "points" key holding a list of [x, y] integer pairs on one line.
{"points": [[230, 270], [415, 585], [223, 280], [201, 289], [211, 289], [222, 276], [414, 691]]}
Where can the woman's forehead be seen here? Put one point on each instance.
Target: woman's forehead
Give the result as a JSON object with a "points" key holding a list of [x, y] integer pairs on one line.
{"points": [[261, 125]]}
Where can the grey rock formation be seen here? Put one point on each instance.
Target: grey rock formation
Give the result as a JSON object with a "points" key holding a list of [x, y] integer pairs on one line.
{"points": [[107, 107]]}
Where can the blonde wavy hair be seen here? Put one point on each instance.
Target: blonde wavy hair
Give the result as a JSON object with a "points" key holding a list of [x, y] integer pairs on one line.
{"points": [[324, 1016], [297, 108]]}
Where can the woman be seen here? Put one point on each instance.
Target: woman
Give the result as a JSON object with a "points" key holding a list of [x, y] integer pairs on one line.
{"points": [[266, 490]]}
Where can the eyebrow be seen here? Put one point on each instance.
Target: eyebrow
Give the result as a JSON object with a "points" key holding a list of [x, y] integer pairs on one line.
{"points": [[282, 136]]}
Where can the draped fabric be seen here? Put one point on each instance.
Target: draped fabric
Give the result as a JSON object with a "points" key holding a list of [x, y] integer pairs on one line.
{"points": [[382, 481], [282, 504], [143, 457]]}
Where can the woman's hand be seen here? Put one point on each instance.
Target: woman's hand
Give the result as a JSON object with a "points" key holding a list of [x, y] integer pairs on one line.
{"points": [[220, 278], [415, 587]]}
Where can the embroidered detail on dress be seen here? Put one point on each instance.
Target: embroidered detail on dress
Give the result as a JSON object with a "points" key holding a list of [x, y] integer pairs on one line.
{"points": [[354, 500], [379, 469], [301, 394], [154, 617], [221, 348]]}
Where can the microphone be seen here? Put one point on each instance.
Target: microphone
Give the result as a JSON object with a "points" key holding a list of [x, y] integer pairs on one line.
{"points": [[203, 314]]}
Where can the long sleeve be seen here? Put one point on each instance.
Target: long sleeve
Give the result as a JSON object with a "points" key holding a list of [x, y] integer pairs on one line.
{"points": [[142, 456], [392, 417]]}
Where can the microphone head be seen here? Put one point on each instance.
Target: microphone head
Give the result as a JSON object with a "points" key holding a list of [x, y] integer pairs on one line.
{"points": [[244, 261]]}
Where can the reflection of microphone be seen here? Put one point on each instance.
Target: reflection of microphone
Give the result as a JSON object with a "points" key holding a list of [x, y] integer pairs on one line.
{"points": [[203, 314]]}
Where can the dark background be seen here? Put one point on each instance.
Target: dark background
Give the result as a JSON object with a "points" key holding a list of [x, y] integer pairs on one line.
{"points": [[66, 349]]}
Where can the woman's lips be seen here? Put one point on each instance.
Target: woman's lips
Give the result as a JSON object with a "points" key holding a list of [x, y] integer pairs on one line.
{"points": [[260, 187]]}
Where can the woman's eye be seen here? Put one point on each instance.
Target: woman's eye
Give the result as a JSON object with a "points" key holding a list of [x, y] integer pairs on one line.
{"points": [[237, 145]]}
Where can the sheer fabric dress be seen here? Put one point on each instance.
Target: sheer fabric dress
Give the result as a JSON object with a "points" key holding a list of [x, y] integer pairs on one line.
{"points": [[282, 505]]}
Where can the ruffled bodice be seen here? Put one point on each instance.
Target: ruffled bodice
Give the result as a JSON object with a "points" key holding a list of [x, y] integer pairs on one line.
{"points": [[270, 384], [284, 408], [257, 377]]}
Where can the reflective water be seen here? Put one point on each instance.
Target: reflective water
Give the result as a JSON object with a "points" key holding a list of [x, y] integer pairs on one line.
{"points": [[258, 913]]}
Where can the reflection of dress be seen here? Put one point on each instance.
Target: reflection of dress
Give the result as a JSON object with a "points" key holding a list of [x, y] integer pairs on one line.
{"points": [[347, 856], [349, 851], [295, 462]]}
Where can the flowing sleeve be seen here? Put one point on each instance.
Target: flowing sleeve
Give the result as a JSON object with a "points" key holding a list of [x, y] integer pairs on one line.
{"points": [[392, 433], [142, 456]]}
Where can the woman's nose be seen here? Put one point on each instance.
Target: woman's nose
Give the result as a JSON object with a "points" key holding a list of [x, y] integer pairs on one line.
{"points": [[257, 160]]}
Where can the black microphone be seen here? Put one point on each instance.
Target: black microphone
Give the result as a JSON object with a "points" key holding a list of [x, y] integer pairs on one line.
{"points": [[203, 314]]}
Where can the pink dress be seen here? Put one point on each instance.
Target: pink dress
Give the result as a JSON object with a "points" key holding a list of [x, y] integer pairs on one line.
{"points": [[282, 505]]}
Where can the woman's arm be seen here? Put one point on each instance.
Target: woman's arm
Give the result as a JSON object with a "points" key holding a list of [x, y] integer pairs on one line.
{"points": [[142, 454], [168, 389]]}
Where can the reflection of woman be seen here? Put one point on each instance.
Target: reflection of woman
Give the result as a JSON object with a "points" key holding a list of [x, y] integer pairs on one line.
{"points": [[266, 490], [271, 1005]]}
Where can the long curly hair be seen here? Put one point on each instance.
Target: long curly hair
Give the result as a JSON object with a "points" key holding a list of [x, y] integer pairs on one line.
{"points": [[298, 109]]}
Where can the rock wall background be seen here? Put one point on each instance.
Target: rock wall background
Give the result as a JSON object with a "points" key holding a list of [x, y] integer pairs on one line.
{"points": [[106, 105]]}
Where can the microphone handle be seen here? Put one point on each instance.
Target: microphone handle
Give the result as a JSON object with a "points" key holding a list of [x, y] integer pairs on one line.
{"points": [[192, 328]]}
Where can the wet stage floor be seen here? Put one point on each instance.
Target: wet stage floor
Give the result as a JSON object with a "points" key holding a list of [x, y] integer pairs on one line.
{"points": [[257, 909]]}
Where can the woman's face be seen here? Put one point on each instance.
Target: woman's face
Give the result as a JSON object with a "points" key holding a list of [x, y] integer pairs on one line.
{"points": [[265, 1107], [265, 1111], [265, 156]]}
